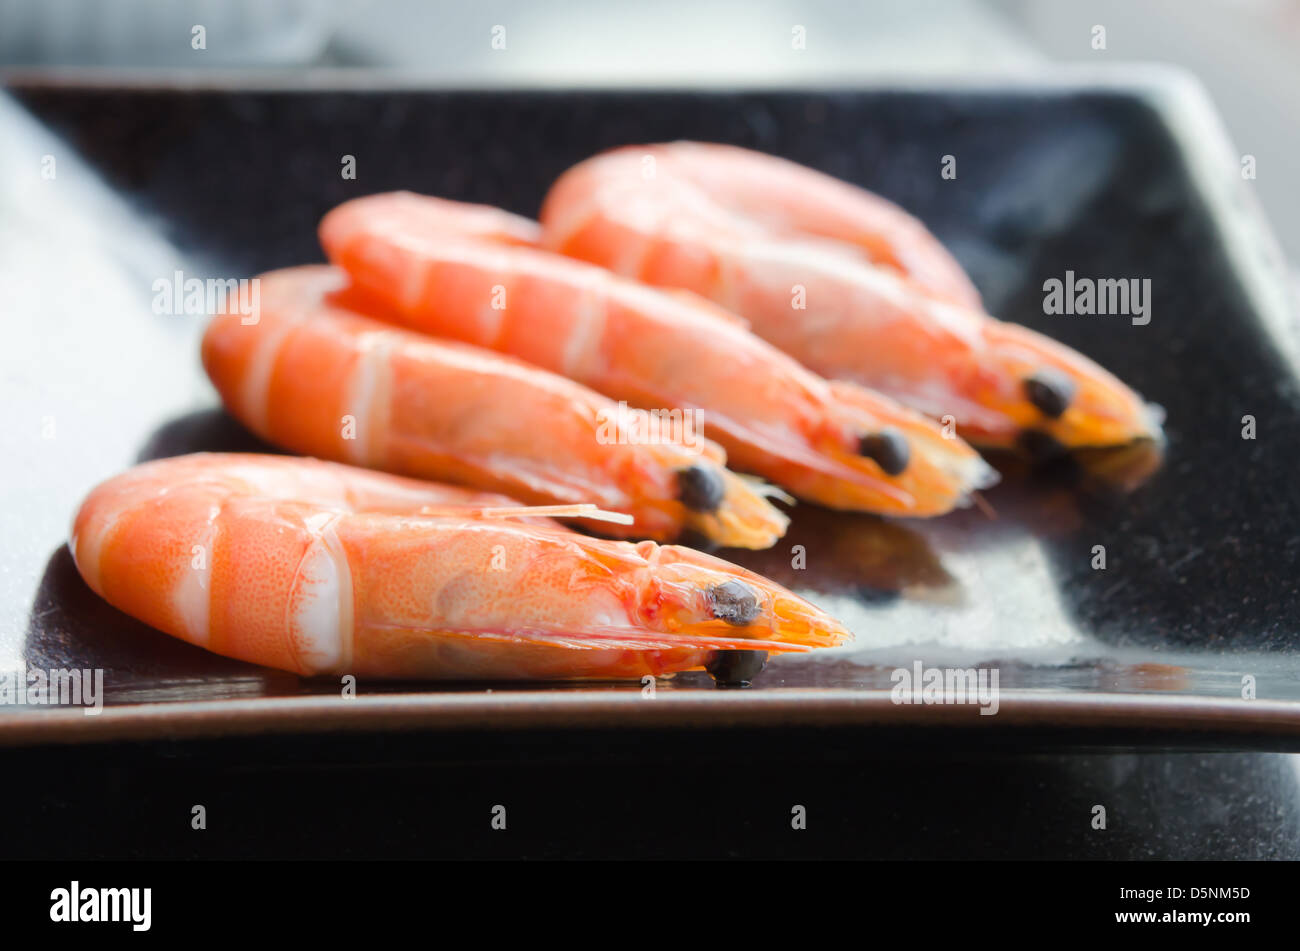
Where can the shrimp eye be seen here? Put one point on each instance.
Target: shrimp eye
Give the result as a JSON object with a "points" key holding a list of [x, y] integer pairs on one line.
{"points": [[888, 449], [700, 488], [1050, 392], [733, 602], [735, 668]]}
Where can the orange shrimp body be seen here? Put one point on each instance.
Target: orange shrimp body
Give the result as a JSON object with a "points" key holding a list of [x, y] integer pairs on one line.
{"points": [[319, 568], [315, 377], [831, 443], [848, 284]]}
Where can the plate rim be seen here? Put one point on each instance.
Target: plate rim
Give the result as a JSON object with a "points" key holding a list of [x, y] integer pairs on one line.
{"points": [[1176, 98], [1153, 719]]}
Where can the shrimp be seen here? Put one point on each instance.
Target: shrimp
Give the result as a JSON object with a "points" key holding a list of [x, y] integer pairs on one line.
{"points": [[831, 443], [319, 379], [324, 569], [882, 304]]}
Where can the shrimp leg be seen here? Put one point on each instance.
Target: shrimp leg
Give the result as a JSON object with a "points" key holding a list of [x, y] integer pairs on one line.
{"points": [[322, 569]]}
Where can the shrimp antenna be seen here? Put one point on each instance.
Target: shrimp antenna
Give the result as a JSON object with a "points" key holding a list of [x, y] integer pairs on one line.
{"points": [[582, 510]]}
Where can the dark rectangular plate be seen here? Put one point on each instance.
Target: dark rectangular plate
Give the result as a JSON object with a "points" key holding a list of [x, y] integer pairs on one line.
{"points": [[1130, 179]]}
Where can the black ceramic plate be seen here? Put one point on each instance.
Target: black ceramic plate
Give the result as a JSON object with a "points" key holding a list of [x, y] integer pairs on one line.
{"points": [[1116, 180]]}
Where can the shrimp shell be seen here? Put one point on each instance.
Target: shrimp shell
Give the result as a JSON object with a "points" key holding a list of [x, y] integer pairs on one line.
{"points": [[886, 305], [315, 377], [324, 569], [831, 443]]}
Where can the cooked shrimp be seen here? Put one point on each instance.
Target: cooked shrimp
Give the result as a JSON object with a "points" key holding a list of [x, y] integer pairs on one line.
{"points": [[319, 379], [783, 247], [319, 569], [788, 200], [458, 217], [834, 444]]}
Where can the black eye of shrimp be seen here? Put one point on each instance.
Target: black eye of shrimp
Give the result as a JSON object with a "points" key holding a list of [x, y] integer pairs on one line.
{"points": [[736, 668], [734, 602], [700, 488], [1050, 392], [888, 449]]}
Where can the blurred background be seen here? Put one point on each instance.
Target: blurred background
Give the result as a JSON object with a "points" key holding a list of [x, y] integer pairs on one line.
{"points": [[1243, 51]]}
